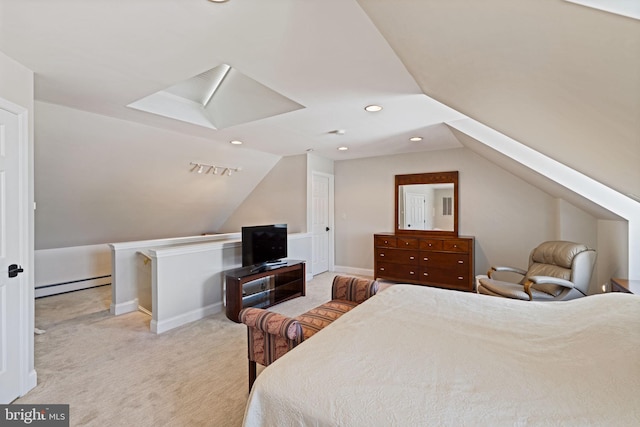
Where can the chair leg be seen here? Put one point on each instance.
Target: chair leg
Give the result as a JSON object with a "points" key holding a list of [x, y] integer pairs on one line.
{"points": [[252, 373]]}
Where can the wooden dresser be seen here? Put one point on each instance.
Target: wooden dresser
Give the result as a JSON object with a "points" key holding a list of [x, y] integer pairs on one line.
{"points": [[445, 262]]}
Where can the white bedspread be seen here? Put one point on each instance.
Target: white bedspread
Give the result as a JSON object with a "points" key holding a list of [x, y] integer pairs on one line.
{"points": [[420, 356]]}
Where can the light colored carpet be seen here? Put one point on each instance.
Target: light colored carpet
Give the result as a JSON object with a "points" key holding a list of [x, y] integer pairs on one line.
{"points": [[112, 370]]}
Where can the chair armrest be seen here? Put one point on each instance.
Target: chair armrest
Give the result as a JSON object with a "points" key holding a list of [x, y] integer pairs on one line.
{"points": [[355, 289], [553, 280], [271, 323], [505, 268], [536, 280]]}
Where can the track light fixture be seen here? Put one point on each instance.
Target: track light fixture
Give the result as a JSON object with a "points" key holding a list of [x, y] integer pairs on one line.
{"points": [[212, 169]]}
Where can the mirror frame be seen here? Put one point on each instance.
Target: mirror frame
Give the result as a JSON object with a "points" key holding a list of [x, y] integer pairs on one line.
{"points": [[428, 178]]}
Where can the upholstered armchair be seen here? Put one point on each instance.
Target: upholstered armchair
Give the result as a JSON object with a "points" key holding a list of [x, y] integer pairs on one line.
{"points": [[558, 270], [271, 335]]}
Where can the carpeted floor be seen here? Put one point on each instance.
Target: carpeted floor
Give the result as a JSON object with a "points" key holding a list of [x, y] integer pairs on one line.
{"points": [[113, 371]]}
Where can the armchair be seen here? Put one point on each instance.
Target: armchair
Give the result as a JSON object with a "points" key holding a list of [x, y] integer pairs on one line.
{"points": [[558, 270]]}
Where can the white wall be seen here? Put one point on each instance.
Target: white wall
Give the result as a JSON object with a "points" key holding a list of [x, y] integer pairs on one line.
{"points": [[72, 268]]}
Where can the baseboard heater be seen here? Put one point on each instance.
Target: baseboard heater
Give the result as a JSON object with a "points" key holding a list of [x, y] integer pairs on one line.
{"points": [[74, 285]]}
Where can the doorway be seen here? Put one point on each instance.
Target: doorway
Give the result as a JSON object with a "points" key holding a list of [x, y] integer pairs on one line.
{"points": [[321, 222]]}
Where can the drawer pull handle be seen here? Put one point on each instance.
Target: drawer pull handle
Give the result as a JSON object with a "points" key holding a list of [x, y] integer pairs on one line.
{"points": [[425, 274], [381, 254], [460, 277], [381, 268], [425, 259], [460, 262], [411, 257], [455, 246], [406, 243], [412, 272]]}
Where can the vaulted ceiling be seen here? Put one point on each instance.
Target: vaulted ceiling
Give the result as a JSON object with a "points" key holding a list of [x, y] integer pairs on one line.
{"points": [[558, 77]]}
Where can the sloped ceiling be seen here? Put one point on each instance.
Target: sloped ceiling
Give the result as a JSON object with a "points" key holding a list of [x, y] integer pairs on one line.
{"points": [[559, 77]]}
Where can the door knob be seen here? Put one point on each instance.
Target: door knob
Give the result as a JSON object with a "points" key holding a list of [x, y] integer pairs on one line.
{"points": [[14, 270]]}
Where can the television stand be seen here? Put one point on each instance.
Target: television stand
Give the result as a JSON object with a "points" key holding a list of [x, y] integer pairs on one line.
{"points": [[268, 265], [270, 285]]}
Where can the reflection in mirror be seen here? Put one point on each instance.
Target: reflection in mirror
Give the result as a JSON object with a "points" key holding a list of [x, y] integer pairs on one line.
{"points": [[425, 207], [427, 203]]}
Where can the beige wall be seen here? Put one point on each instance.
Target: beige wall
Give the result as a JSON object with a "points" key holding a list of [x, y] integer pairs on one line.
{"points": [[507, 215], [100, 179], [495, 206], [280, 198]]}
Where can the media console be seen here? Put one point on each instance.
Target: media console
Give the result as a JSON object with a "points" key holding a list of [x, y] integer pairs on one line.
{"points": [[246, 287]]}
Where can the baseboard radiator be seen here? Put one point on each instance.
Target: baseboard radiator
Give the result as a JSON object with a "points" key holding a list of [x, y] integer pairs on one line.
{"points": [[75, 285]]}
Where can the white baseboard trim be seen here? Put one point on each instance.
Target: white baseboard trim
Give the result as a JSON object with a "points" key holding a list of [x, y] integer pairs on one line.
{"points": [[183, 319], [61, 288], [352, 270], [124, 307]]}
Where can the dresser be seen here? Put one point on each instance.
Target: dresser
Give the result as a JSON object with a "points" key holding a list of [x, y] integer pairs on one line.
{"points": [[445, 262]]}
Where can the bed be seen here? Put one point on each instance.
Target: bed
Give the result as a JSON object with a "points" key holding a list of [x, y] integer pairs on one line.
{"points": [[422, 356]]}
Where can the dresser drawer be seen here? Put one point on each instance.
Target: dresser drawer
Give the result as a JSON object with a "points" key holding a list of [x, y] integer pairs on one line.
{"points": [[444, 279], [398, 271], [447, 260], [385, 241], [431, 244], [408, 243], [397, 256], [443, 275], [455, 245]]}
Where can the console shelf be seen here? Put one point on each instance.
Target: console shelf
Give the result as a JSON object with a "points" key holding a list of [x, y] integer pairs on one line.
{"points": [[247, 287]]}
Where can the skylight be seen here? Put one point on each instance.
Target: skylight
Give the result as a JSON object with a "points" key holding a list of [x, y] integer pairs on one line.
{"points": [[629, 8], [218, 98]]}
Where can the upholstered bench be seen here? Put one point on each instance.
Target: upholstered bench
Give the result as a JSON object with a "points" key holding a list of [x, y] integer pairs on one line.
{"points": [[271, 335]]}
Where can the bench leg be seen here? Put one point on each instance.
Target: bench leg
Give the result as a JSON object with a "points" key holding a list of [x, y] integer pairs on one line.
{"points": [[252, 374]]}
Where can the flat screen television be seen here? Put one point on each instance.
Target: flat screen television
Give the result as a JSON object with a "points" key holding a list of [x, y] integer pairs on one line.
{"points": [[263, 245]]}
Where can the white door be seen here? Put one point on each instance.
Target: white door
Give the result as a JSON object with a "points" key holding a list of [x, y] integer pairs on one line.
{"points": [[414, 211], [12, 327], [320, 217]]}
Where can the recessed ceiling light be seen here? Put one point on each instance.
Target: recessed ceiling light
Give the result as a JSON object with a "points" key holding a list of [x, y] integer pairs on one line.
{"points": [[218, 1], [373, 108], [343, 148], [415, 138], [236, 142]]}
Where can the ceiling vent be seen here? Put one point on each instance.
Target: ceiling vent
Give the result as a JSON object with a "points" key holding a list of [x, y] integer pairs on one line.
{"points": [[217, 99]]}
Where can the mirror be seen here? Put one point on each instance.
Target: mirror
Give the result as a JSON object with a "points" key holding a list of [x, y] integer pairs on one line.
{"points": [[427, 203]]}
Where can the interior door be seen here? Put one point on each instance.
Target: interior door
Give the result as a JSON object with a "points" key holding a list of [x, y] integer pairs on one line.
{"points": [[11, 281], [414, 211], [321, 228]]}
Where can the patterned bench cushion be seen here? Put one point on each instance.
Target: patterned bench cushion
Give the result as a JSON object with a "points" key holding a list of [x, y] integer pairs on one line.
{"points": [[317, 318]]}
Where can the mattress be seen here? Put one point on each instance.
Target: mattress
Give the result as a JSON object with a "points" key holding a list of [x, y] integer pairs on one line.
{"points": [[422, 356]]}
